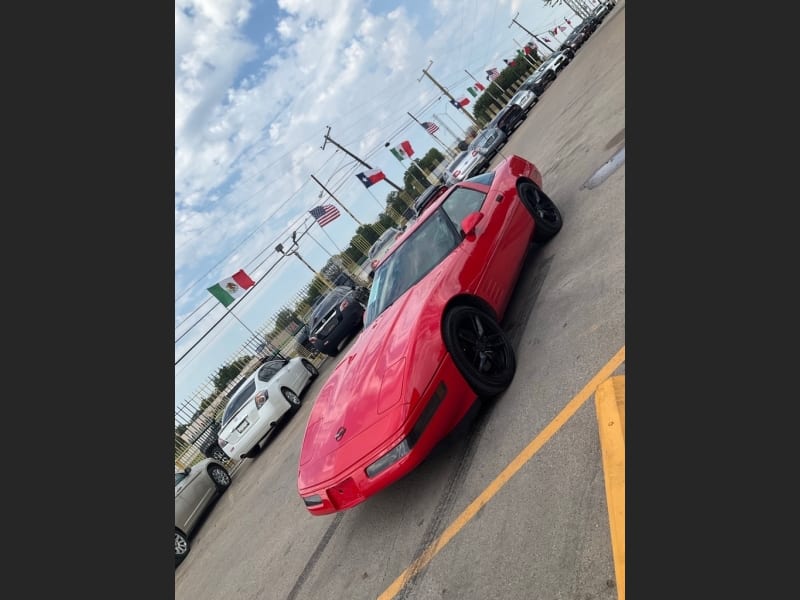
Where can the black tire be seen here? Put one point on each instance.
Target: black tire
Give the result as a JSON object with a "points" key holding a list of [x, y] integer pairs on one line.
{"points": [[181, 546], [217, 453], [220, 477], [311, 369], [545, 213], [292, 398], [480, 349]]}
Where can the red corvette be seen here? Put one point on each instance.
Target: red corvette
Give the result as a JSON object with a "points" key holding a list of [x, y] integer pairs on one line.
{"points": [[432, 342]]}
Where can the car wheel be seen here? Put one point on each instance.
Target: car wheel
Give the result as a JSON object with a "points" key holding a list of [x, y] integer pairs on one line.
{"points": [[545, 212], [480, 349], [220, 477], [311, 369], [181, 546], [218, 454], [293, 399]]}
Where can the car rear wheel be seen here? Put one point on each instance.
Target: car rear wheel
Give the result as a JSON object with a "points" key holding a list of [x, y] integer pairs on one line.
{"points": [[181, 546], [218, 453], [313, 371], [293, 399], [220, 477], [480, 349], [545, 213]]}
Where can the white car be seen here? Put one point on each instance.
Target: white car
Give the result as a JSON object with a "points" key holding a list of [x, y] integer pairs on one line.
{"points": [[263, 401], [524, 98]]}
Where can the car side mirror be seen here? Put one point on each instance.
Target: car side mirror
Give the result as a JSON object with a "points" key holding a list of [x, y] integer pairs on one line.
{"points": [[469, 223], [187, 470]]}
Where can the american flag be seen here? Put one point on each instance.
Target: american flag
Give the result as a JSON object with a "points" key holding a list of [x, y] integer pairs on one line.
{"points": [[325, 214], [493, 74], [430, 127]]}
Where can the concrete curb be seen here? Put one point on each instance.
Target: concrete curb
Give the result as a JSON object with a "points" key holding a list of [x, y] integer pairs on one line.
{"points": [[610, 407]]}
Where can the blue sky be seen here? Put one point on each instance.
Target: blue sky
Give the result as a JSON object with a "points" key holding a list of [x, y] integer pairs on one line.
{"points": [[257, 83]]}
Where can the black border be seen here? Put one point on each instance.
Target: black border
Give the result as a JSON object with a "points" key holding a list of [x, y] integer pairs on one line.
{"points": [[701, 201], [90, 228]]}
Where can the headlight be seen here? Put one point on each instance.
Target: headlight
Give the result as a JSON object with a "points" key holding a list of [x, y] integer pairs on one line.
{"points": [[313, 500], [388, 459]]}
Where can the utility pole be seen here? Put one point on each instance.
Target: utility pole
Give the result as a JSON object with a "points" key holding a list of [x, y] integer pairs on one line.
{"points": [[533, 35], [400, 191], [457, 138], [293, 250], [353, 156], [446, 93], [441, 143], [344, 208]]}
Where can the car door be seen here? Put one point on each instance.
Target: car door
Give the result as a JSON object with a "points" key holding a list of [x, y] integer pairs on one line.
{"points": [[192, 493], [501, 240]]}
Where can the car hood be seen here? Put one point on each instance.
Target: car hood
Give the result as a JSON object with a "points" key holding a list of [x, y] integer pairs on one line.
{"points": [[367, 399]]}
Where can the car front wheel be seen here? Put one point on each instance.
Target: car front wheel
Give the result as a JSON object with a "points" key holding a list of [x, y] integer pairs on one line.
{"points": [[480, 349], [292, 398]]}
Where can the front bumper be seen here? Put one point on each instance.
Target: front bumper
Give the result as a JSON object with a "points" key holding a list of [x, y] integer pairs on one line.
{"points": [[430, 422]]}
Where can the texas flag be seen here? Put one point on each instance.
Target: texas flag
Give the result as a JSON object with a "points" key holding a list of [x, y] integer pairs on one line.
{"points": [[460, 102], [370, 177]]}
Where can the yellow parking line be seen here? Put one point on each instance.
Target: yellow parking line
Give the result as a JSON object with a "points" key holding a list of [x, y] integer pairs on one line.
{"points": [[610, 404], [505, 475]]}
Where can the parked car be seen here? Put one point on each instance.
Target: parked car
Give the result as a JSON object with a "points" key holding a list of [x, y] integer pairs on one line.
{"points": [[196, 489], [448, 172], [432, 342], [336, 318], [560, 59], [509, 118], [524, 98], [488, 143], [601, 12], [575, 39], [429, 195], [263, 402], [379, 248]]}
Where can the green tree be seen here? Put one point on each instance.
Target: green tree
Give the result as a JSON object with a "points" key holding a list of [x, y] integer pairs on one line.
{"points": [[229, 372]]}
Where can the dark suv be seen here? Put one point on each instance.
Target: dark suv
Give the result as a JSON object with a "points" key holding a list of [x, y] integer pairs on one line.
{"points": [[337, 318], [509, 118]]}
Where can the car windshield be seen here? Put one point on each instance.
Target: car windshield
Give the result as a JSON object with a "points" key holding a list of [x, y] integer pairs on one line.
{"points": [[383, 242], [238, 401], [425, 248]]}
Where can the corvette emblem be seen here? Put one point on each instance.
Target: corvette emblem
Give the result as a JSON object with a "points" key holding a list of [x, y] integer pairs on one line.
{"points": [[340, 433]]}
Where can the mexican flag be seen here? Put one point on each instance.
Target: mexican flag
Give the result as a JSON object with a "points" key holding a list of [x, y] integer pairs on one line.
{"points": [[228, 290], [403, 150]]}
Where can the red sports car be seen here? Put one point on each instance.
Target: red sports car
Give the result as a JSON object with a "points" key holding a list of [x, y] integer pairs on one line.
{"points": [[432, 342]]}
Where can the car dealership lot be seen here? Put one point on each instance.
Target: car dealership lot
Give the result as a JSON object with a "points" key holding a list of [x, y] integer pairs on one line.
{"points": [[543, 533]]}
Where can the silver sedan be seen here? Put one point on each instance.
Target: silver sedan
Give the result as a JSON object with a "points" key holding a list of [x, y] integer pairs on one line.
{"points": [[196, 487]]}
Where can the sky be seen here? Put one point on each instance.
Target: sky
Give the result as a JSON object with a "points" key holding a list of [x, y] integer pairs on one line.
{"points": [[257, 84]]}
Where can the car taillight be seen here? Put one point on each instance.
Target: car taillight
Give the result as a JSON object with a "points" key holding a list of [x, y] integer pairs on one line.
{"points": [[261, 398], [222, 443], [345, 303]]}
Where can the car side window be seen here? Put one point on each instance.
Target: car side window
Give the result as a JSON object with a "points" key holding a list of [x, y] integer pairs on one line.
{"points": [[460, 203], [269, 369], [179, 477]]}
